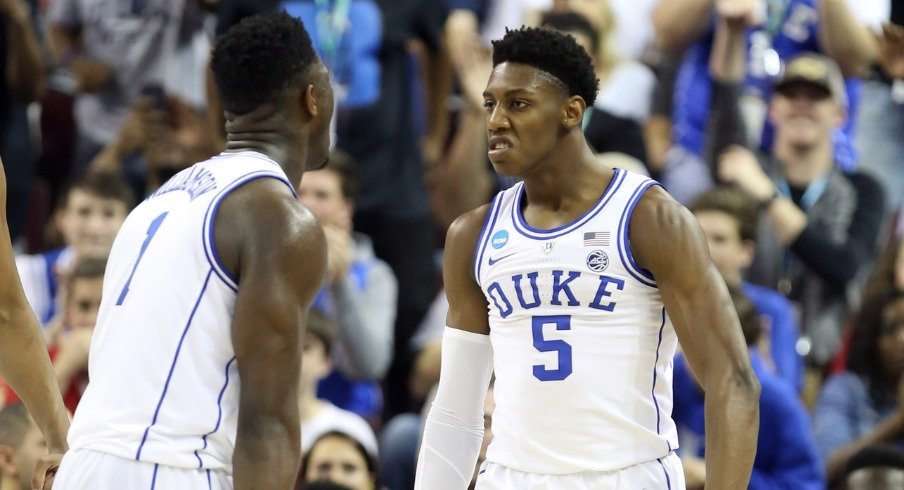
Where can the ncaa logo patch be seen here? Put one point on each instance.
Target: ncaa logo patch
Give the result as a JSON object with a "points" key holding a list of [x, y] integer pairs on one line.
{"points": [[500, 238], [597, 261]]}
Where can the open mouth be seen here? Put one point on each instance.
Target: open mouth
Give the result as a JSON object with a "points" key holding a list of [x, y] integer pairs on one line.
{"points": [[498, 148]]}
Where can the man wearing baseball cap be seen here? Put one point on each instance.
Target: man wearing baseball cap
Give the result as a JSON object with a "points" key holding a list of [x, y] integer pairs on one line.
{"points": [[819, 226]]}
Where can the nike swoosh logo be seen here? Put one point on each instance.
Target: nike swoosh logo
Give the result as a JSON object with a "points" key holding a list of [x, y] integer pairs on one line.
{"points": [[491, 261]]}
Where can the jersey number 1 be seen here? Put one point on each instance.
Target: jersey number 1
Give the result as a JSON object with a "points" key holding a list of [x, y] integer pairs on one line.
{"points": [[152, 230], [562, 322]]}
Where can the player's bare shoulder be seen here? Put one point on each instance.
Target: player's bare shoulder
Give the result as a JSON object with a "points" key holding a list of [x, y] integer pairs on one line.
{"points": [[462, 238], [663, 230]]}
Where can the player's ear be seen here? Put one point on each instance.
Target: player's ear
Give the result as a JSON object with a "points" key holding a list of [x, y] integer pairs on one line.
{"points": [[309, 100], [573, 113]]}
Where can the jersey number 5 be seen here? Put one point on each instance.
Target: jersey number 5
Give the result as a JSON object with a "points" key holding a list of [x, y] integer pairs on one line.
{"points": [[563, 370], [152, 230]]}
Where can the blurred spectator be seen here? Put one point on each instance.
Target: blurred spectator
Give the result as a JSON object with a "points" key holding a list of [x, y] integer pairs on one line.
{"points": [[879, 467], [360, 292], [786, 456], [90, 215], [320, 416], [605, 129], [880, 120], [729, 220], [161, 136], [889, 274], [22, 83], [69, 345], [21, 444], [820, 227], [339, 458], [836, 28], [325, 485], [117, 48], [865, 404]]}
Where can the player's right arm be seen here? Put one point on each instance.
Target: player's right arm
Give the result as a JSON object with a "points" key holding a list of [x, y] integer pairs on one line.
{"points": [[454, 427], [278, 253], [24, 362]]}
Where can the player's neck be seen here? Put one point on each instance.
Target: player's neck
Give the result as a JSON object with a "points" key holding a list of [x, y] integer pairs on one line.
{"points": [[571, 174], [266, 131]]}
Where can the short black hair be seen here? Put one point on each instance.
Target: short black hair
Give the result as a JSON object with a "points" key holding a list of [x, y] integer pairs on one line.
{"points": [[731, 201], [346, 168], [256, 60], [552, 52], [14, 425], [369, 459], [105, 184], [875, 456], [567, 21]]}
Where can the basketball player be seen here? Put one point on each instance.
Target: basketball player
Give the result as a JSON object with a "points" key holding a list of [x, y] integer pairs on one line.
{"points": [[196, 354], [576, 285], [24, 362]]}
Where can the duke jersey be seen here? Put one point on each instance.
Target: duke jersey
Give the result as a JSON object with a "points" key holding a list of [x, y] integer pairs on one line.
{"points": [[582, 345], [164, 383]]}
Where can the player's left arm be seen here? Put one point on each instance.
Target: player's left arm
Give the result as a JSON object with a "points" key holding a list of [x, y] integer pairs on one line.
{"points": [[24, 362], [666, 240]]}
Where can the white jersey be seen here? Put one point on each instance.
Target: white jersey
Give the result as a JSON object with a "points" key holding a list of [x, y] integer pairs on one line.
{"points": [[582, 345], [164, 384]]}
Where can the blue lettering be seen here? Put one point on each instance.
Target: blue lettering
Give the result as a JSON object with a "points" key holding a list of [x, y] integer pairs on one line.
{"points": [[532, 276], [602, 292], [503, 312], [559, 286]]}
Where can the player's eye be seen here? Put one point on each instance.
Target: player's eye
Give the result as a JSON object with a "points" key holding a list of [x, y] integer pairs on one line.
{"points": [[488, 105], [518, 104]]}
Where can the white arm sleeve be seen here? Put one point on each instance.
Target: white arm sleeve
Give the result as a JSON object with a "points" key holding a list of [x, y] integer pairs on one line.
{"points": [[454, 428]]}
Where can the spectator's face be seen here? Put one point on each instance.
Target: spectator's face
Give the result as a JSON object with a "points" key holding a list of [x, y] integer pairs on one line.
{"points": [[315, 363], [891, 342], [90, 223], [525, 115], [805, 114], [83, 302], [730, 254], [596, 11], [321, 192], [27, 455], [876, 479], [337, 460]]}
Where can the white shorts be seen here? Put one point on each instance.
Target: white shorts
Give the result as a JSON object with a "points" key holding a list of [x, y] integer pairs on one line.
{"points": [[83, 470], [662, 474]]}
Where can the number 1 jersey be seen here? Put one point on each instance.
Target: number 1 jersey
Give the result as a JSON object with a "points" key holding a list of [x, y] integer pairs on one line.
{"points": [[582, 345], [164, 385]]}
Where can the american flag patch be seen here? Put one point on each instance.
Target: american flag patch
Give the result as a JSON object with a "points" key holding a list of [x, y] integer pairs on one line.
{"points": [[596, 239]]}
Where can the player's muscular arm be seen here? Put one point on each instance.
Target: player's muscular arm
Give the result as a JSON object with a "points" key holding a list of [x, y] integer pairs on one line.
{"points": [[24, 362], [278, 253], [454, 428], [666, 240]]}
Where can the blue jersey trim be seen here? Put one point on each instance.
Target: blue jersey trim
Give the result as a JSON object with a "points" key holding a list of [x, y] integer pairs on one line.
{"points": [[624, 246], [216, 427], [172, 368], [207, 233], [668, 481], [618, 178], [154, 476], [209, 485], [655, 365], [484, 236]]}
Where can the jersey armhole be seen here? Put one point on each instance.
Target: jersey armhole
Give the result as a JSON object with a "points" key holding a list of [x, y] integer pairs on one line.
{"points": [[210, 218], [642, 275], [489, 221]]}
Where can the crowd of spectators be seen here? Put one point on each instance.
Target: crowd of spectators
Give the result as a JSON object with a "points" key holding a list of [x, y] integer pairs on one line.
{"points": [[777, 122]]}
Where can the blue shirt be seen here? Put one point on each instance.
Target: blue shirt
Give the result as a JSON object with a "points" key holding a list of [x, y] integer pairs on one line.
{"points": [[846, 412], [797, 34], [783, 332], [786, 456]]}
